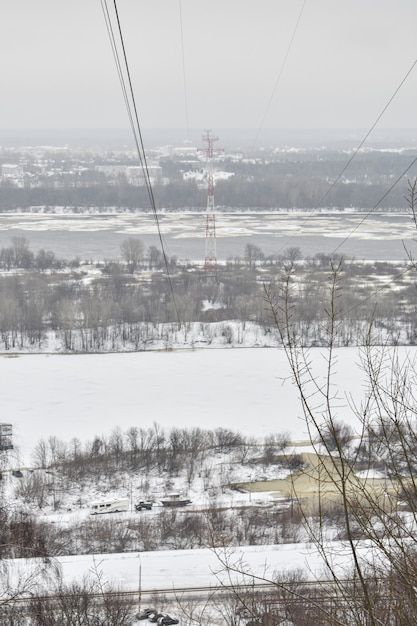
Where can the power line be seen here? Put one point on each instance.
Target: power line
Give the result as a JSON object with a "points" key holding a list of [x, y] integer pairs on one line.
{"points": [[381, 288], [347, 164], [376, 205], [132, 111], [349, 161], [355, 152], [283, 64], [133, 117], [183, 73], [403, 273]]}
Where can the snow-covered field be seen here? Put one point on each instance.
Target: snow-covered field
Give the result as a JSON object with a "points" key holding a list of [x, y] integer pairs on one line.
{"points": [[174, 571], [170, 570], [248, 390], [244, 389]]}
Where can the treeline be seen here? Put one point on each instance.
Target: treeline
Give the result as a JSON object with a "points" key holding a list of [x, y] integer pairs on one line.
{"points": [[60, 305], [175, 195], [20, 256], [140, 461], [267, 192], [174, 452], [39, 597], [325, 165], [144, 450], [373, 167], [304, 193], [145, 460]]}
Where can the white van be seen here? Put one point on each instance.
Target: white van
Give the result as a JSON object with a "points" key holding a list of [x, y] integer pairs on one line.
{"points": [[110, 506]]}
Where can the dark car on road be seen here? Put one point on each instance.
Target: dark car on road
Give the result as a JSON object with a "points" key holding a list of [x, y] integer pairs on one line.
{"points": [[153, 617], [144, 614], [167, 620]]}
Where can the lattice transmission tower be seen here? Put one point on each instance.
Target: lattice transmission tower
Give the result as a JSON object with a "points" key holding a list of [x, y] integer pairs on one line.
{"points": [[210, 262], [6, 444]]}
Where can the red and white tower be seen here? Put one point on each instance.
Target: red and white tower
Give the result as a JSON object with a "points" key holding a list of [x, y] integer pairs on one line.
{"points": [[210, 263]]}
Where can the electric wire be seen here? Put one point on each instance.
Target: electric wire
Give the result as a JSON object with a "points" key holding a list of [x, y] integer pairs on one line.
{"points": [[130, 101], [137, 131], [355, 152], [404, 272], [349, 161], [283, 64], [407, 270], [381, 199], [184, 73], [141, 151], [376, 205], [116, 57], [375, 292], [107, 20]]}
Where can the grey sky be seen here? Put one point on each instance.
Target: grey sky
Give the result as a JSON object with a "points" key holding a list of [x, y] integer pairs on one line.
{"points": [[346, 60]]}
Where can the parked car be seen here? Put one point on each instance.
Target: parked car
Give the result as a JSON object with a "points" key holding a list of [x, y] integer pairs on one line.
{"points": [[144, 614], [167, 620], [153, 617]]}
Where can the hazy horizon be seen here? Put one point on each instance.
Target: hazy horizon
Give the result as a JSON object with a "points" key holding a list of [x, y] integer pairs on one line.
{"points": [[228, 137]]}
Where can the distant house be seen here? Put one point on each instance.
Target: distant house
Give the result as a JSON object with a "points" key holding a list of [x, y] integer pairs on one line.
{"points": [[11, 170], [13, 174]]}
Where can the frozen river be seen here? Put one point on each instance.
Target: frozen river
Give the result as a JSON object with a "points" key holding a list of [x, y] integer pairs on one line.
{"points": [[94, 236], [244, 389]]}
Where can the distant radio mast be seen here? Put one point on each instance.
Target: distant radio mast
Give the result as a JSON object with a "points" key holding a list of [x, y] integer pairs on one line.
{"points": [[6, 444], [6, 435], [210, 263]]}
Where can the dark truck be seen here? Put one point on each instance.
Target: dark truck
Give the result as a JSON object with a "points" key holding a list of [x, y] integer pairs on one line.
{"points": [[143, 504]]}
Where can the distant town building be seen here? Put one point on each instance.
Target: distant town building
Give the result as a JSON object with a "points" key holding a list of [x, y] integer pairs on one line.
{"points": [[111, 171], [135, 175], [11, 170], [13, 174], [184, 151]]}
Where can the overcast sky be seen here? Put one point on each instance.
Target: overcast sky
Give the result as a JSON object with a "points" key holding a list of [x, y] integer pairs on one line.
{"points": [[346, 60]]}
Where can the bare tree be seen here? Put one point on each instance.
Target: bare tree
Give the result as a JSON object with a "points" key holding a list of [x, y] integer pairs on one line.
{"points": [[132, 253], [20, 580], [23, 257], [370, 571], [90, 602], [371, 509]]}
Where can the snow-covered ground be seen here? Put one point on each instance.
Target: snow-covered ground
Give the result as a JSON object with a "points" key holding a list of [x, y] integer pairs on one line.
{"points": [[191, 569], [170, 570], [247, 390]]}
